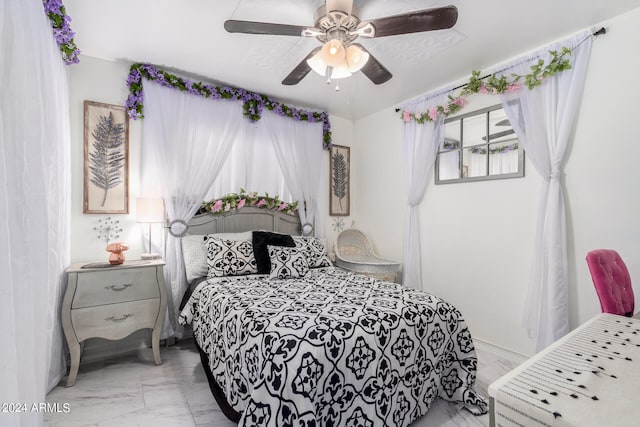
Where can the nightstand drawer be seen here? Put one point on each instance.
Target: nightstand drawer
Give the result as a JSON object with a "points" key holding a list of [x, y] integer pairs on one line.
{"points": [[114, 321], [113, 286]]}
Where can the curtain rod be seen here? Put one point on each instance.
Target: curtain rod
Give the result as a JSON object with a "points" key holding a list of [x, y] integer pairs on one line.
{"points": [[599, 32]]}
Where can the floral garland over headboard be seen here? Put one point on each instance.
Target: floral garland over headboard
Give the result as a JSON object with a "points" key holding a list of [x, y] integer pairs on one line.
{"points": [[253, 103], [234, 201]]}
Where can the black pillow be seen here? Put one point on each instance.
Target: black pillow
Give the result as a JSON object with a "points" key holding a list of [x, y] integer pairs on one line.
{"points": [[260, 241]]}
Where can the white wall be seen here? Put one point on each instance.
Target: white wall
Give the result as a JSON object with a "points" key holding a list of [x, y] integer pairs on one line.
{"points": [[477, 238], [102, 81]]}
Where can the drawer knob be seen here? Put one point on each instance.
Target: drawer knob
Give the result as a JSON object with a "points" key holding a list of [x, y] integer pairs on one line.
{"points": [[118, 319], [118, 287]]}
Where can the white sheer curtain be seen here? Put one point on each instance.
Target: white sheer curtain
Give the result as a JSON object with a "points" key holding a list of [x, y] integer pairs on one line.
{"points": [[298, 146], [34, 207], [477, 162], [185, 142], [420, 144], [252, 165], [503, 162], [544, 120], [449, 165]]}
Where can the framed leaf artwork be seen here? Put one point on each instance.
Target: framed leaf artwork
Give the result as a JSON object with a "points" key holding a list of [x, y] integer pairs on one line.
{"points": [[106, 158], [339, 181]]}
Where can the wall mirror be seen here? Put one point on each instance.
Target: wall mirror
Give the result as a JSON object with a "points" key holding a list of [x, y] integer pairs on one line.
{"points": [[479, 146]]}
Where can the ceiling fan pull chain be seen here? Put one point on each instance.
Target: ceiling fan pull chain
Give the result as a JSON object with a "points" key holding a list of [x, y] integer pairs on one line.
{"points": [[328, 73]]}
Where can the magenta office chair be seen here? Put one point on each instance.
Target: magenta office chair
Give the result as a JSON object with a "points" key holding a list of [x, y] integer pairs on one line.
{"points": [[612, 282]]}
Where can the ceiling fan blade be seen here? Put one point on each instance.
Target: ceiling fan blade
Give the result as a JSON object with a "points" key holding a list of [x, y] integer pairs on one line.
{"points": [[301, 70], [439, 18], [251, 27], [373, 69]]}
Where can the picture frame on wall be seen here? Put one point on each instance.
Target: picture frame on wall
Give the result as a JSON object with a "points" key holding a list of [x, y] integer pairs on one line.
{"points": [[106, 159], [339, 181]]}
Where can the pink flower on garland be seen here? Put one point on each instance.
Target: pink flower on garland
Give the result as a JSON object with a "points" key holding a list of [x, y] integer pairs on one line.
{"points": [[217, 206], [460, 102], [513, 87], [433, 113], [241, 203], [406, 116], [483, 89], [261, 202], [283, 206]]}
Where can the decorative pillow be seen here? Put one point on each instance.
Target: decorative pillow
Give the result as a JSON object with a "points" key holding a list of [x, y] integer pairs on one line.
{"points": [[261, 239], [194, 252], [229, 257], [314, 250], [287, 263]]}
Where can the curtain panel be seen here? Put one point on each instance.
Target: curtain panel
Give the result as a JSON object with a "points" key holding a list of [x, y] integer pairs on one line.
{"points": [[34, 207], [544, 120], [300, 158], [186, 140], [420, 143]]}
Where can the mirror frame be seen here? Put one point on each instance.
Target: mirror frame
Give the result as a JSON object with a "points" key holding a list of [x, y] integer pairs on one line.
{"points": [[484, 111]]}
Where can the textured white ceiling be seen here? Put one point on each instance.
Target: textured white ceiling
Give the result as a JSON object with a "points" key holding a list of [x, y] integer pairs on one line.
{"points": [[188, 36]]}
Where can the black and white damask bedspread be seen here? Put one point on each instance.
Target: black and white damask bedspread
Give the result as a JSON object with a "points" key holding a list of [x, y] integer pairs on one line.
{"points": [[332, 349]]}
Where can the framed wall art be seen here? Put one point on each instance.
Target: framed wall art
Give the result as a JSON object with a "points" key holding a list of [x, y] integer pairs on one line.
{"points": [[106, 158], [339, 181]]}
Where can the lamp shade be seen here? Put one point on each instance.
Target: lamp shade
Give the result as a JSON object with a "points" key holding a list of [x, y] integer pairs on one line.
{"points": [[333, 53], [356, 58], [317, 64], [340, 71], [149, 210]]}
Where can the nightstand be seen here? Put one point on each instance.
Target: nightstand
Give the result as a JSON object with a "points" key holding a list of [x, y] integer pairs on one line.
{"points": [[112, 302]]}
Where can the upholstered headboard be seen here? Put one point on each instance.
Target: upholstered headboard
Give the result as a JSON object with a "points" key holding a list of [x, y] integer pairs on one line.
{"points": [[246, 219]]}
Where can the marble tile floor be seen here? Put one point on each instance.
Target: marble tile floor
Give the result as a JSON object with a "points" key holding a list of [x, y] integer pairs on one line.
{"points": [[130, 390]]}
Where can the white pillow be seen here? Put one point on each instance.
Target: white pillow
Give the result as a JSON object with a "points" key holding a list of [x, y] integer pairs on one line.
{"points": [[194, 252], [229, 257], [287, 263], [314, 250]]}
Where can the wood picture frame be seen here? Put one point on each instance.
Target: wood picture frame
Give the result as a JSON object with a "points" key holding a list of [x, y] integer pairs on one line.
{"points": [[106, 159], [339, 181]]}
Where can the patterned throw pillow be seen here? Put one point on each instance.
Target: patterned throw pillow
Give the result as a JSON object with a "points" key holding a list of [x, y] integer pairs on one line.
{"points": [[229, 257], [262, 239], [314, 250], [194, 252], [287, 263]]}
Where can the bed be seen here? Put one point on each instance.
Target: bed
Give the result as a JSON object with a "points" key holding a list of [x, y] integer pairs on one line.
{"points": [[318, 345]]}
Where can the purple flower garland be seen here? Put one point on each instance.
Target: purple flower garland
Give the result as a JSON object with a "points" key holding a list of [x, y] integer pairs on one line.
{"points": [[62, 30], [253, 103]]}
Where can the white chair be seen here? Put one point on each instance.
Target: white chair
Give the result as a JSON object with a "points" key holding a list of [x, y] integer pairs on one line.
{"points": [[354, 252]]}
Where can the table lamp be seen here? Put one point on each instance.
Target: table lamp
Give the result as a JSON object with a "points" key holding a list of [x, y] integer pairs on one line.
{"points": [[149, 211]]}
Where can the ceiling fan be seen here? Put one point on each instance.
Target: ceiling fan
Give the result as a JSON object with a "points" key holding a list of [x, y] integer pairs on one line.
{"points": [[338, 26]]}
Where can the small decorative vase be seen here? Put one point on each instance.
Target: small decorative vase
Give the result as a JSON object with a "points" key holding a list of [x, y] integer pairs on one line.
{"points": [[116, 249]]}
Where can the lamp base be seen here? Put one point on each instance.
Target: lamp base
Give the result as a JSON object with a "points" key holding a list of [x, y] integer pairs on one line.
{"points": [[150, 256]]}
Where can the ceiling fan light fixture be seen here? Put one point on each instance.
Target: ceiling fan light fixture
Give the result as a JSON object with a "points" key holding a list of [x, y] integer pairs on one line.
{"points": [[356, 58], [317, 64], [333, 52], [341, 71]]}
